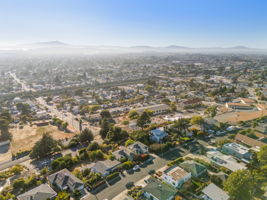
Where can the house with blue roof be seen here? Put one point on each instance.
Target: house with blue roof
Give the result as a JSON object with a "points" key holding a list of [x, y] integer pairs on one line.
{"points": [[158, 134]]}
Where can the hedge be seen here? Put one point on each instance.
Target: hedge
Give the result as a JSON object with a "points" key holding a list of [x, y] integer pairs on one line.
{"points": [[175, 162], [112, 176]]}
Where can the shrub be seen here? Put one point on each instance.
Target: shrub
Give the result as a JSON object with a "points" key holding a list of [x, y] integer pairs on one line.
{"points": [[128, 165], [129, 142], [175, 162], [93, 146], [112, 176], [66, 161]]}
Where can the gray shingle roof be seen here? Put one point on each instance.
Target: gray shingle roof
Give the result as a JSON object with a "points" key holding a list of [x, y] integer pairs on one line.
{"points": [[138, 147], [42, 192], [103, 166], [215, 193], [159, 190], [65, 178]]}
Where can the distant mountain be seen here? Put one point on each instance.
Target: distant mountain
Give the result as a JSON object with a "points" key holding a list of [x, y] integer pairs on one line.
{"points": [[58, 47], [176, 47], [240, 47], [142, 46], [49, 43]]}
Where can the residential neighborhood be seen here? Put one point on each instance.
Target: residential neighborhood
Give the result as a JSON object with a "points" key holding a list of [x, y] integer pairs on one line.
{"points": [[180, 133]]}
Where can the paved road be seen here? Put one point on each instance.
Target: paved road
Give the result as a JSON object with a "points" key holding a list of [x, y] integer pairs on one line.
{"points": [[67, 116], [8, 164], [112, 191], [23, 85]]}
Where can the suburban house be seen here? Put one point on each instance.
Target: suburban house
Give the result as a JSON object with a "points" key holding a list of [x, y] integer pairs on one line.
{"points": [[226, 161], [262, 127], [158, 134], [237, 150], [138, 148], [193, 167], [213, 192], [191, 102], [129, 152], [175, 176], [104, 167], [123, 152], [93, 117], [155, 190], [41, 192], [239, 106], [247, 101], [65, 180], [157, 109], [256, 144]]}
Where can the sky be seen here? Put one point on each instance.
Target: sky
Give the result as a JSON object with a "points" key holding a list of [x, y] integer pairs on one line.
{"points": [[191, 23]]}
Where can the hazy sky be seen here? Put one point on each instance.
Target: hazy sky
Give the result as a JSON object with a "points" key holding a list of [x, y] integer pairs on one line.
{"points": [[193, 23]]}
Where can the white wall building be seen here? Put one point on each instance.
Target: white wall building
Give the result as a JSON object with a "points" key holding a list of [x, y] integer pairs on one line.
{"points": [[175, 176]]}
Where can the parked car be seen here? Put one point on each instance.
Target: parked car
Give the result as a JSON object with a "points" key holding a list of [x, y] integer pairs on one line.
{"points": [[136, 168], [149, 161], [152, 171], [129, 185]]}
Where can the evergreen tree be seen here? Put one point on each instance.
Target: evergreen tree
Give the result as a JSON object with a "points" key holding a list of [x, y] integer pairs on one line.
{"points": [[105, 126], [144, 120], [45, 146]]}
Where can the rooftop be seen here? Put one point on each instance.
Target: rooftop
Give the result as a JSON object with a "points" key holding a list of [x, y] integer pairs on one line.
{"points": [[247, 100], [237, 147], [225, 161], [238, 104], [158, 131], [41, 192], [215, 193], [176, 172], [193, 167], [249, 141], [159, 190]]}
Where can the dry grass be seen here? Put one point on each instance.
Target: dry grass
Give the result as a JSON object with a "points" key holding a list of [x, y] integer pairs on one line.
{"points": [[25, 138], [5, 156], [234, 117]]}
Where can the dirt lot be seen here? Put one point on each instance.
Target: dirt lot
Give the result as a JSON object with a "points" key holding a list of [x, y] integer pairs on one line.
{"points": [[25, 138], [234, 117]]}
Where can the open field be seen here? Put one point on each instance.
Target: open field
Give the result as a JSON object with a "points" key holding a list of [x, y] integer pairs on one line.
{"points": [[235, 117], [25, 138]]}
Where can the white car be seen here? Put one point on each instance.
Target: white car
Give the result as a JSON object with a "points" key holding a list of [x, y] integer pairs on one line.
{"points": [[136, 167]]}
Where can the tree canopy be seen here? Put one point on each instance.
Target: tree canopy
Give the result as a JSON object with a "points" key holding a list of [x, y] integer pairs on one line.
{"points": [[239, 185], [105, 114], [86, 136], [144, 120], [197, 120], [133, 114], [45, 146], [211, 111], [105, 126]]}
